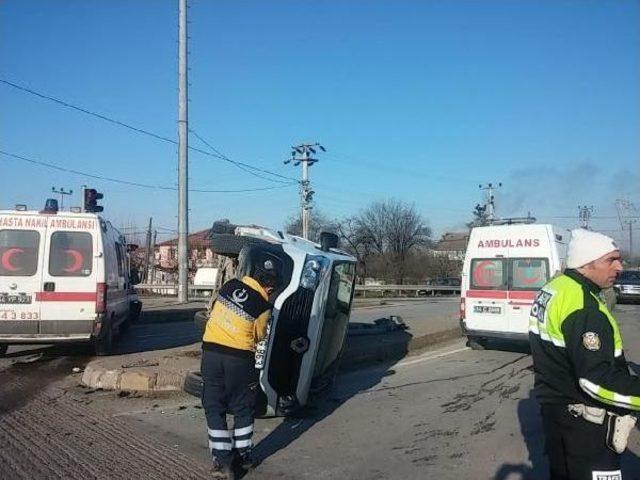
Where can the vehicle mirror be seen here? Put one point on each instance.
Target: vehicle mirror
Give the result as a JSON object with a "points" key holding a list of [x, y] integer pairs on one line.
{"points": [[328, 241]]}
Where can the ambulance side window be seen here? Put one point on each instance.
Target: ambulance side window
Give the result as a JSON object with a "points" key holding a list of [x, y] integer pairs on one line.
{"points": [[120, 258], [528, 273], [71, 254], [19, 253], [488, 274]]}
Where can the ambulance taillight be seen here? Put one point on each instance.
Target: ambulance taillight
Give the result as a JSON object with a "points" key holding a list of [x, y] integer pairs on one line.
{"points": [[462, 308], [101, 298]]}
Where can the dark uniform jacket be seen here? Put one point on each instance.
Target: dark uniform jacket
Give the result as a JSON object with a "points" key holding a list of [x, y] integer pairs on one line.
{"points": [[577, 348], [238, 318]]}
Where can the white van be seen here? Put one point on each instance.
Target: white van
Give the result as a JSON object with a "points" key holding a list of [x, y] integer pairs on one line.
{"points": [[64, 277], [504, 267]]}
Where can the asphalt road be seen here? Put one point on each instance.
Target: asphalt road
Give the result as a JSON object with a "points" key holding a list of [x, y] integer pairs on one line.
{"points": [[450, 413]]}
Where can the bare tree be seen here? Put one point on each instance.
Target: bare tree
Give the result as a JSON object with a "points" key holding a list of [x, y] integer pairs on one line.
{"points": [[392, 229], [355, 241], [318, 223]]}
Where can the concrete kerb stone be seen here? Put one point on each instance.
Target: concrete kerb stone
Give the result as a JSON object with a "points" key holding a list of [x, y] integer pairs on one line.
{"points": [[164, 378]]}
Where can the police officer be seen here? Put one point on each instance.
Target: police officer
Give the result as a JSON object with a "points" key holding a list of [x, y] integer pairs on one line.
{"points": [[237, 323], [582, 380]]}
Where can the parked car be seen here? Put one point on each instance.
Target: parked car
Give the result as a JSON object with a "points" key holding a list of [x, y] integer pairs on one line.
{"points": [[441, 282], [627, 286], [446, 282], [310, 315]]}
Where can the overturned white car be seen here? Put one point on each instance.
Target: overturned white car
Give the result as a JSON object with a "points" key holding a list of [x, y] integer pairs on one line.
{"points": [[310, 315]]}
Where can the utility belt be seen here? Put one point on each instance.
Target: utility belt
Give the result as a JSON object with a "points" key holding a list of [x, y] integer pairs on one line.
{"points": [[618, 426]]}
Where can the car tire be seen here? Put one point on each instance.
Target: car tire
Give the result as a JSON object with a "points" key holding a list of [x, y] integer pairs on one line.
{"points": [[200, 319], [3, 349], [475, 343], [103, 344], [193, 384], [230, 245]]}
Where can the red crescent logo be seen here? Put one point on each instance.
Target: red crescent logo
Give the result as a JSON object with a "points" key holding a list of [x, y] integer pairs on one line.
{"points": [[76, 258], [528, 276], [6, 259], [483, 276]]}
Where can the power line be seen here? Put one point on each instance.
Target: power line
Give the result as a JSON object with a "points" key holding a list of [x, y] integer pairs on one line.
{"points": [[136, 184], [137, 129], [237, 164]]}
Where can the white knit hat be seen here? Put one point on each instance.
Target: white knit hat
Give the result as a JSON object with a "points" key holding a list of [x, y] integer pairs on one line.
{"points": [[586, 246]]}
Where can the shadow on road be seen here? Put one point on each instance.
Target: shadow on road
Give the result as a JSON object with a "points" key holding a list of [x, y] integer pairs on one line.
{"points": [[324, 404], [532, 433], [507, 345], [160, 330]]}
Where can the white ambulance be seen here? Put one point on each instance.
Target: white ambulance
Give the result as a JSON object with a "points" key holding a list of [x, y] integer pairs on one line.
{"points": [[504, 267], [64, 277]]}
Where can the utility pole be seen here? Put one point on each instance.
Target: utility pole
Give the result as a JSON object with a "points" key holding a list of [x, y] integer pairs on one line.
{"points": [[301, 155], [147, 255], [628, 215], [152, 258], [489, 187], [584, 216], [183, 126], [62, 192]]}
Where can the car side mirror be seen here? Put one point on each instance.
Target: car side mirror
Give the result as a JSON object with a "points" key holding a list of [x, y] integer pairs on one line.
{"points": [[328, 241]]}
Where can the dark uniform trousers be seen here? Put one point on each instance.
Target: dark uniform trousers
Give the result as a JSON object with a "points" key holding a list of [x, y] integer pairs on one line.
{"points": [[575, 447], [230, 386]]}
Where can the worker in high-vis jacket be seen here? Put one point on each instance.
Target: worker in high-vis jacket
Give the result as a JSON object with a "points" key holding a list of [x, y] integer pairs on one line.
{"points": [[238, 321], [582, 381]]}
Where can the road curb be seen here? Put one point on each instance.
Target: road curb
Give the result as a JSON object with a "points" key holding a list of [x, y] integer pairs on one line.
{"points": [[360, 352]]}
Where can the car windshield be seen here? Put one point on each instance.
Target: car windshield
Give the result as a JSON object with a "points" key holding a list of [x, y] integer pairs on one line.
{"points": [[336, 315], [629, 277]]}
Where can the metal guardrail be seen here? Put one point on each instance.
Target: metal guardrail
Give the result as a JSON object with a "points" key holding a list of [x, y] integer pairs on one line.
{"points": [[417, 290]]}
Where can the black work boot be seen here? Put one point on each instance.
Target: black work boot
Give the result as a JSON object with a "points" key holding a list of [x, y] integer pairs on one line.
{"points": [[228, 472], [245, 460]]}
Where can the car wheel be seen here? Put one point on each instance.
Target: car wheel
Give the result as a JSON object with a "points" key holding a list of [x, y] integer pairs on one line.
{"points": [[3, 349], [200, 319], [103, 344], [193, 384], [475, 343], [230, 245]]}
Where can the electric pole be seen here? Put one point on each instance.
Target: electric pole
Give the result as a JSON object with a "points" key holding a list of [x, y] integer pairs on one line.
{"points": [[62, 192], [628, 215], [301, 155], [152, 258], [183, 221], [147, 255], [489, 187], [584, 216]]}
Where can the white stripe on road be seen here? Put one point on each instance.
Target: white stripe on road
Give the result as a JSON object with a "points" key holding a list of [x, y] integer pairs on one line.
{"points": [[430, 356]]}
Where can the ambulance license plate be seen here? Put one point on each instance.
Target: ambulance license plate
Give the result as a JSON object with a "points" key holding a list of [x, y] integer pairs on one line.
{"points": [[486, 309], [14, 299]]}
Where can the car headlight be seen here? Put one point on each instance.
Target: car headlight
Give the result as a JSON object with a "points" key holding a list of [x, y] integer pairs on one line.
{"points": [[310, 274]]}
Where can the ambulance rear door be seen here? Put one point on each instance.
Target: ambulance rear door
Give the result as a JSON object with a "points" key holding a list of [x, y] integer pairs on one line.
{"points": [[22, 243], [486, 298], [528, 270], [70, 276]]}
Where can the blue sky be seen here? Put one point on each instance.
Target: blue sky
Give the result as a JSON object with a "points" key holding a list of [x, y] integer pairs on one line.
{"points": [[417, 100]]}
